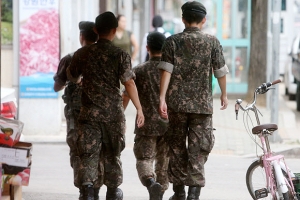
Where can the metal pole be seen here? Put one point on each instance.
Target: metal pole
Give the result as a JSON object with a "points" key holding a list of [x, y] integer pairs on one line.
{"points": [[16, 55], [0, 173], [276, 25], [0, 93]]}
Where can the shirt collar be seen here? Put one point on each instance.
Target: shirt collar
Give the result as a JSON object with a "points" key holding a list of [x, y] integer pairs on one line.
{"points": [[191, 29], [155, 58], [101, 40]]}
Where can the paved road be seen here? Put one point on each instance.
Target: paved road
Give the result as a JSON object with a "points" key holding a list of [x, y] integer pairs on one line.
{"points": [[51, 176]]}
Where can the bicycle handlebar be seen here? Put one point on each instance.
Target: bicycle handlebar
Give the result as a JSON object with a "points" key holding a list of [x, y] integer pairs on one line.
{"points": [[276, 81], [263, 88]]}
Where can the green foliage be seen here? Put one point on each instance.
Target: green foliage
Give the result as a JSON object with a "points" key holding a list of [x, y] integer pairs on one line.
{"points": [[6, 10], [6, 33], [6, 21]]}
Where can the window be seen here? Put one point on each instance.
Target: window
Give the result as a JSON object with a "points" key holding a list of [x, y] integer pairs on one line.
{"points": [[283, 4], [242, 19]]}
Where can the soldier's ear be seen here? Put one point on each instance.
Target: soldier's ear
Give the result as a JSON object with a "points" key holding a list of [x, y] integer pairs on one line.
{"points": [[203, 20], [114, 30]]}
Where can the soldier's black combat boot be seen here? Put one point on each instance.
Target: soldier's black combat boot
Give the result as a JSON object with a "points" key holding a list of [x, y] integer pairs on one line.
{"points": [[114, 194], [96, 193], [88, 192], [179, 193], [193, 193], [154, 189]]}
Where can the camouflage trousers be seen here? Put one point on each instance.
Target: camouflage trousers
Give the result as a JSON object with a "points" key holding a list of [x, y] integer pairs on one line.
{"points": [[148, 149], [100, 146], [191, 139], [71, 139]]}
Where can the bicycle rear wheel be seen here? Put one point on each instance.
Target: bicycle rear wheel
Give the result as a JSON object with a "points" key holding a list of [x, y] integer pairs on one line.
{"points": [[256, 179]]}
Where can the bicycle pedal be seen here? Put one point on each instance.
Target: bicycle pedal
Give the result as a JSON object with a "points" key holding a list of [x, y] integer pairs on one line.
{"points": [[261, 193]]}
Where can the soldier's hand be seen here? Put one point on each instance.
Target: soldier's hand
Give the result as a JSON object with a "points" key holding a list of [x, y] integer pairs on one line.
{"points": [[163, 110], [140, 119], [224, 102]]}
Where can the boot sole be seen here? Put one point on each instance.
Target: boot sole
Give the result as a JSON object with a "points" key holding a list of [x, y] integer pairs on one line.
{"points": [[155, 191]]}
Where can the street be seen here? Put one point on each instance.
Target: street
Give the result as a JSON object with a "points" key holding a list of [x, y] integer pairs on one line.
{"points": [[51, 174]]}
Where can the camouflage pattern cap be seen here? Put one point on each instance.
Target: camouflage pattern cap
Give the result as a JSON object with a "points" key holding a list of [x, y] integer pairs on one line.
{"points": [[86, 26], [193, 6]]}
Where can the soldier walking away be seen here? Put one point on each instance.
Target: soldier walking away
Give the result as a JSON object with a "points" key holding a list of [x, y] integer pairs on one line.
{"points": [[102, 120], [149, 143], [188, 61], [72, 99]]}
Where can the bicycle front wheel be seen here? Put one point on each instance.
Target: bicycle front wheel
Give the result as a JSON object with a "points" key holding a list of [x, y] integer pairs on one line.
{"points": [[256, 179]]}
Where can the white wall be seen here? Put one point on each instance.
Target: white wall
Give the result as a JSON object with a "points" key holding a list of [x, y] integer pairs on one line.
{"points": [[71, 13], [43, 117], [288, 34]]}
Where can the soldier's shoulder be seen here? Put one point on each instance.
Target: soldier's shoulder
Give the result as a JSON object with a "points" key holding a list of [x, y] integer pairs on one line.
{"points": [[66, 59], [174, 36], [210, 37], [139, 67], [68, 56], [81, 50]]}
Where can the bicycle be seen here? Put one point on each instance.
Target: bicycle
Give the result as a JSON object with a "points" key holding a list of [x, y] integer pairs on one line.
{"points": [[274, 176]]}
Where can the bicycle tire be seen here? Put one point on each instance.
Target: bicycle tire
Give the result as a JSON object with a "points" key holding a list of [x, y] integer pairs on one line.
{"points": [[260, 181], [289, 193], [256, 179]]}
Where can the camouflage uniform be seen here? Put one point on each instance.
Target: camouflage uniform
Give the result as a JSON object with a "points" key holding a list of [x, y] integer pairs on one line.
{"points": [[71, 98], [149, 141], [191, 57], [101, 119]]}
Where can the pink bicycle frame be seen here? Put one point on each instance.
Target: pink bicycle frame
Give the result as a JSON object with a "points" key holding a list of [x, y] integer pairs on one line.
{"points": [[267, 160]]}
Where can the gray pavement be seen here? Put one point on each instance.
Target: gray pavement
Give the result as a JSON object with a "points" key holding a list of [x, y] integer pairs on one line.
{"points": [[51, 174]]}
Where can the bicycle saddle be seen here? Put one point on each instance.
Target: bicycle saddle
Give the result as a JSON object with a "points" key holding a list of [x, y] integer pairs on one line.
{"points": [[269, 127]]}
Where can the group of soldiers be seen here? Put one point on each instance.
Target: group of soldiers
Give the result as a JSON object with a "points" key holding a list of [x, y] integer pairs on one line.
{"points": [[172, 94]]}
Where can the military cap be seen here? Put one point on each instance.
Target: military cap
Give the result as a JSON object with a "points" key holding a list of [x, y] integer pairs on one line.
{"points": [[193, 6], [106, 20], [155, 40], [86, 26]]}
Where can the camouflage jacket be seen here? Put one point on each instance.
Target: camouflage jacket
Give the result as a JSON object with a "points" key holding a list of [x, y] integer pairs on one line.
{"points": [[192, 57], [147, 82], [105, 65]]}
